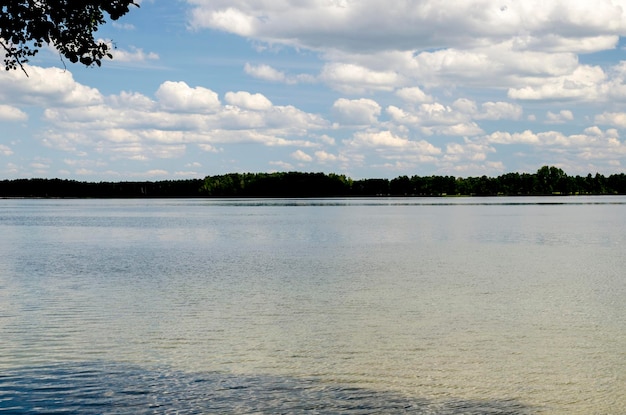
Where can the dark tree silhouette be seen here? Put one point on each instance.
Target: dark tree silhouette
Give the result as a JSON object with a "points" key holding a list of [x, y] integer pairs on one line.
{"points": [[67, 25], [548, 180]]}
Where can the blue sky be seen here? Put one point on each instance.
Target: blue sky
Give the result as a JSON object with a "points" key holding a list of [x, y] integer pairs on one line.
{"points": [[364, 88]]}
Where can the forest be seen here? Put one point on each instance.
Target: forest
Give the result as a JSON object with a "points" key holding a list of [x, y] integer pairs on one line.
{"points": [[548, 180]]}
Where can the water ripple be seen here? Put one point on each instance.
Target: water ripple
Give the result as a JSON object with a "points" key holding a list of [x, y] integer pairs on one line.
{"points": [[116, 388]]}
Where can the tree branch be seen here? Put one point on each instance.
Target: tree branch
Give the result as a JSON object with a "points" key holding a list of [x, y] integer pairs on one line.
{"points": [[12, 56]]}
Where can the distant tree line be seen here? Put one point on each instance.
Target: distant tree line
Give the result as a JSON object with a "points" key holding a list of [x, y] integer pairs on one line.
{"points": [[546, 181], [54, 188], [290, 184]]}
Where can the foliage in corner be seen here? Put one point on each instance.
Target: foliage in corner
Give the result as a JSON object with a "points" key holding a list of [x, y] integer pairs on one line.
{"points": [[67, 25]]}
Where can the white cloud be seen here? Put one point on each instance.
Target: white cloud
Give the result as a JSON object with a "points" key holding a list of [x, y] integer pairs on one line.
{"points": [[357, 111], [355, 79], [592, 140], [132, 100], [40, 165], [247, 100], [403, 117], [504, 137], [414, 95], [500, 111], [585, 82], [10, 113], [326, 139], [123, 26], [325, 157], [436, 118], [461, 129], [529, 48], [265, 72], [436, 113], [442, 72], [228, 19], [378, 139], [83, 163], [561, 117], [616, 119], [5, 151], [133, 126], [466, 106], [489, 168], [46, 87], [411, 24], [469, 150], [207, 147], [386, 139], [134, 55], [191, 174], [301, 156], [549, 42], [178, 96]]}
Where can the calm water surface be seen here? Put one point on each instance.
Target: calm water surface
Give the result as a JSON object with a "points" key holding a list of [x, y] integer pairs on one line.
{"points": [[427, 306]]}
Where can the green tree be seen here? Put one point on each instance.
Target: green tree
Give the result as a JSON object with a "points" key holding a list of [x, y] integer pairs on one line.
{"points": [[401, 186], [67, 25], [551, 179]]}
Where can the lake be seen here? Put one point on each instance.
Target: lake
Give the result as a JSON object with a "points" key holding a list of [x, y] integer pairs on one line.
{"points": [[349, 306]]}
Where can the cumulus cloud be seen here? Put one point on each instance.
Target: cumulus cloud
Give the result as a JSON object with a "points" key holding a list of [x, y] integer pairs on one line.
{"points": [[468, 150], [136, 127], [504, 137], [354, 79], [437, 118], [408, 73], [268, 73], [489, 168], [357, 111], [10, 113], [178, 96], [407, 25], [301, 156], [591, 137], [325, 157], [265, 72], [561, 117], [391, 140], [134, 55], [616, 119], [435, 114], [247, 100], [230, 19], [46, 87], [462, 129], [414, 95], [460, 118], [530, 48], [585, 82], [500, 111]]}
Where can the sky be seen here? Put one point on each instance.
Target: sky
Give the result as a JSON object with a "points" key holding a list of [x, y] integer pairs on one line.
{"points": [[366, 88]]}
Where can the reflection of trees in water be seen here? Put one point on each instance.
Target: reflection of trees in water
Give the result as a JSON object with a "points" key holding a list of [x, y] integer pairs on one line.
{"points": [[112, 388]]}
